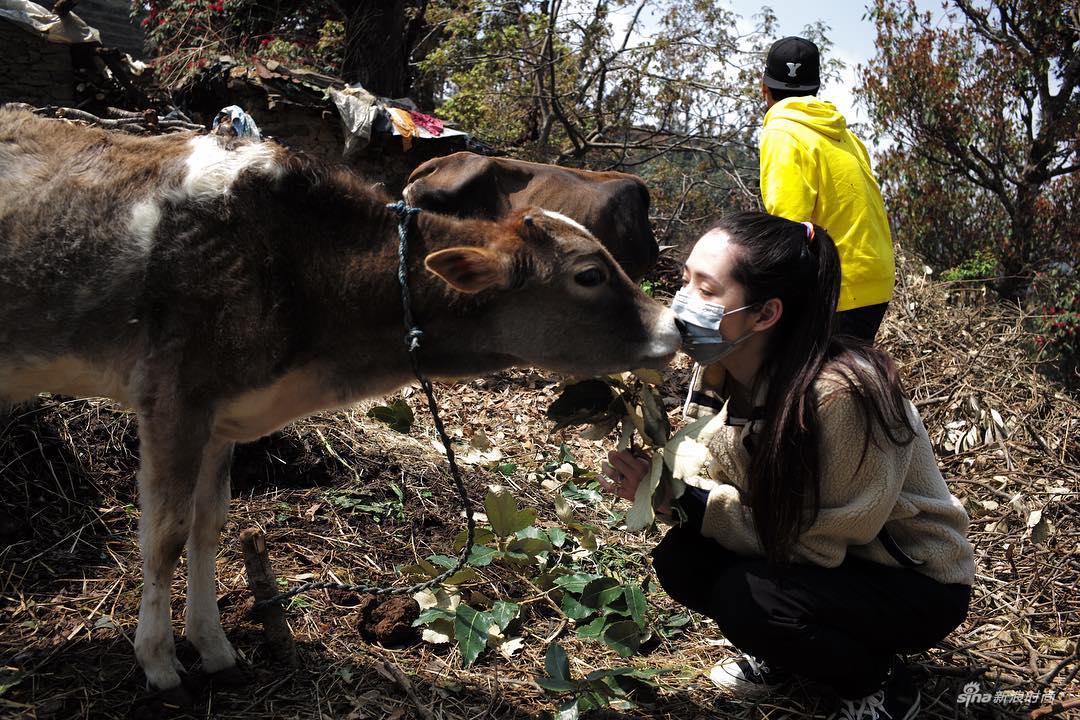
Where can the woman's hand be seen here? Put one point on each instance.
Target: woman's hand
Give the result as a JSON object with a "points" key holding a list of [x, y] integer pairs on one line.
{"points": [[624, 471]]}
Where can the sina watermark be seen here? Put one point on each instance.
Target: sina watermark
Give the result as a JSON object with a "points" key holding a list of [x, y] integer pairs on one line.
{"points": [[974, 695]]}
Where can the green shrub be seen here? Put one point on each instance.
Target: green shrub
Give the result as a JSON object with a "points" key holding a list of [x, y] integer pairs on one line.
{"points": [[980, 266], [1055, 319]]}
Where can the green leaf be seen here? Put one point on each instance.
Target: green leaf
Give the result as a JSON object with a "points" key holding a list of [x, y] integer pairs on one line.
{"points": [[574, 609], [398, 415], [587, 538], [556, 663], [635, 603], [482, 556], [462, 576], [557, 536], [616, 608], [481, 536], [654, 417], [516, 557], [422, 567], [530, 546], [8, 681], [471, 632], [507, 469], [624, 637], [444, 561], [581, 402], [585, 494], [565, 513], [431, 615], [531, 532], [595, 698], [555, 685], [593, 630], [503, 613], [600, 592], [575, 582], [503, 513], [637, 673]]}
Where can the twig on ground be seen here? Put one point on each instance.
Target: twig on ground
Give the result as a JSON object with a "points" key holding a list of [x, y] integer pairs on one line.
{"points": [[263, 585]]}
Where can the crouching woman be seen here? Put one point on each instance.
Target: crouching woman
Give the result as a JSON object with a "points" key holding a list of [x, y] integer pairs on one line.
{"points": [[819, 534]]}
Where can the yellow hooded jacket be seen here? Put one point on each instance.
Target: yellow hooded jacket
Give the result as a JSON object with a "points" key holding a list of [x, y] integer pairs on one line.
{"points": [[814, 168]]}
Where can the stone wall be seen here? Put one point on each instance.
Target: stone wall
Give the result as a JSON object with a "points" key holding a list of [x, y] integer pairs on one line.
{"points": [[33, 70]]}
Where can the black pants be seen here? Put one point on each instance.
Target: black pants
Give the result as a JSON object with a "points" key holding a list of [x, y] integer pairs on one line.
{"points": [[862, 322], [837, 626]]}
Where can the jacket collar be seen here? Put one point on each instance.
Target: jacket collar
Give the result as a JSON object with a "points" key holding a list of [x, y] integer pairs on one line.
{"points": [[705, 395]]}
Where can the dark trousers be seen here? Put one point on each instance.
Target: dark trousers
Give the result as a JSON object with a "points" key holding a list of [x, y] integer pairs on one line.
{"points": [[838, 626], [862, 322]]}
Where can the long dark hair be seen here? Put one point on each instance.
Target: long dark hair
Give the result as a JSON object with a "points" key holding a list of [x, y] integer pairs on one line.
{"points": [[778, 258]]}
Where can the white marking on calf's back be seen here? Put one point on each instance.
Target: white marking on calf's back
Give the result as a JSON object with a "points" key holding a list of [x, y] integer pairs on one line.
{"points": [[209, 172], [212, 168], [145, 216]]}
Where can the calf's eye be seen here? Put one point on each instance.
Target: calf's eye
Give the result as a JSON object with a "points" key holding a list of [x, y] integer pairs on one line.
{"points": [[589, 278]]}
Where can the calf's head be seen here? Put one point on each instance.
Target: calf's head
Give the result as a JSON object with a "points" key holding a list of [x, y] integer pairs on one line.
{"points": [[553, 297]]}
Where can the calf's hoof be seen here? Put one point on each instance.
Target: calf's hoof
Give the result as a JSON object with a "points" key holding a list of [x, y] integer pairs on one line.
{"points": [[238, 675], [174, 702]]}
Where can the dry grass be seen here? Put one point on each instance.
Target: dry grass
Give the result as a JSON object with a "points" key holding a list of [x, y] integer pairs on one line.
{"points": [[70, 582]]}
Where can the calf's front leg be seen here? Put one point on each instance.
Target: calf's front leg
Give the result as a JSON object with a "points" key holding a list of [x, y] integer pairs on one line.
{"points": [[211, 505]]}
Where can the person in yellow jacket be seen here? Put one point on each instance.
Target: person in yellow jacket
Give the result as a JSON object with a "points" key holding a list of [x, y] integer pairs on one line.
{"points": [[813, 168]]}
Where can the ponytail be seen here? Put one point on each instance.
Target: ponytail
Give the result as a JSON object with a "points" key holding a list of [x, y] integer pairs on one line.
{"points": [[798, 264]]}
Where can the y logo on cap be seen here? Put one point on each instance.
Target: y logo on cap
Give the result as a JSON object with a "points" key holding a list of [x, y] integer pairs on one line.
{"points": [[792, 67]]}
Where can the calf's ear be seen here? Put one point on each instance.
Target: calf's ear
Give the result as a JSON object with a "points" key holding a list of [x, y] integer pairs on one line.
{"points": [[469, 269]]}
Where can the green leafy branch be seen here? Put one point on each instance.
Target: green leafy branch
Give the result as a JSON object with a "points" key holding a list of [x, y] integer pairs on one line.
{"points": [[631, 403], [620, 688]]}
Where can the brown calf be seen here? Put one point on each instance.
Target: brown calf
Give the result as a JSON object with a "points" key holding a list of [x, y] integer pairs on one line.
{"points": [[223, 289], [614, 206]]}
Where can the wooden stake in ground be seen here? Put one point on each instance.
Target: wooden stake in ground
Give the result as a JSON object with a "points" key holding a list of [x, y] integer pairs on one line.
{"points": [[263, 584]]}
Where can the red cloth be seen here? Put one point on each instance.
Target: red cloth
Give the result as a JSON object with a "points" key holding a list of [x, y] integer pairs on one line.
{"points": [[432, 124]]}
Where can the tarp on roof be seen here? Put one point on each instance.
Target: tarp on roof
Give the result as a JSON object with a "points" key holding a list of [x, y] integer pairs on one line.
{"points": [[360, 111], [34, 18]]}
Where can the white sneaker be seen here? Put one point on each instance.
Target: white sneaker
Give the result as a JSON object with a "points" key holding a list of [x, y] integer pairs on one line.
{"points": [[746, 676], [897, 700]]}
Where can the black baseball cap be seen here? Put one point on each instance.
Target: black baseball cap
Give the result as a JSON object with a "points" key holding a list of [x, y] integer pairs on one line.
{"points": [[793, 63]]}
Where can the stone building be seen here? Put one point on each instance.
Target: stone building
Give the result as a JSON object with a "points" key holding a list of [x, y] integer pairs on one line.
{"points": [[33, 69], [46, 59]]}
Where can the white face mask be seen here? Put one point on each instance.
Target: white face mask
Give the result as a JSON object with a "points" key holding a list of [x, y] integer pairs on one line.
{"points": [[699, 324]]}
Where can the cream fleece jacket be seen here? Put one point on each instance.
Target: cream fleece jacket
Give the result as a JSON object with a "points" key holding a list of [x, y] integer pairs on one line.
{"points": [[898, 487]]}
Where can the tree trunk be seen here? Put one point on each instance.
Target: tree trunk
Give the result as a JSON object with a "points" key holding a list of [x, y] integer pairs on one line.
{"points": [[1015, 252], [376, 46]]}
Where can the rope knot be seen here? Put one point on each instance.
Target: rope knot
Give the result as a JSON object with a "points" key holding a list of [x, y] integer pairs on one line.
{"points": [[403, 211], [412, 338]]}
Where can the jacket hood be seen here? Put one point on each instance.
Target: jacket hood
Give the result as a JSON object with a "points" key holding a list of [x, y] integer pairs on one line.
{"points": [[818, 115]]}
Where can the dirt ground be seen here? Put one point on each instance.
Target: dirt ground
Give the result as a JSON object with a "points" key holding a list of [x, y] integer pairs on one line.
{"points": [[342, 497]]}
